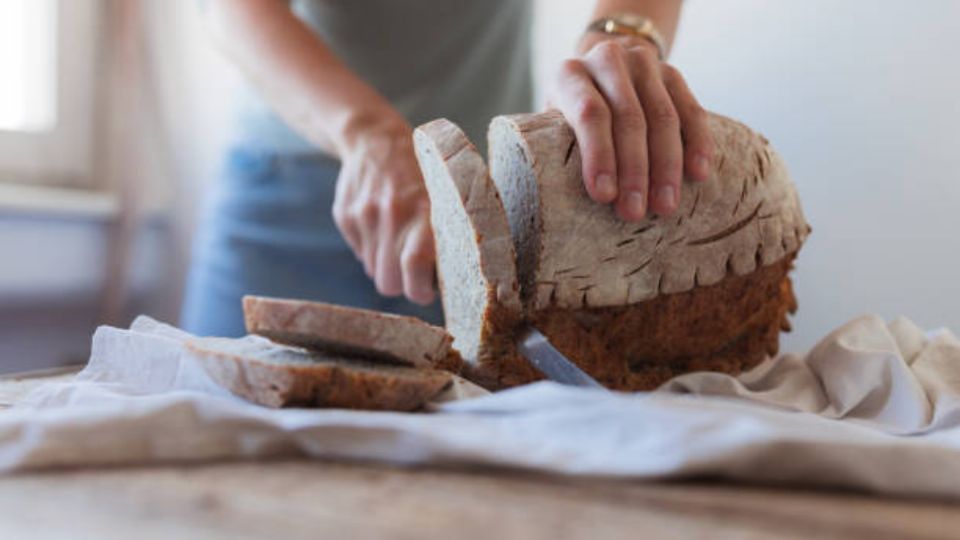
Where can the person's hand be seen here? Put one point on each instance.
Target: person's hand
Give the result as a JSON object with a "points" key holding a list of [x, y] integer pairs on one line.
{"points": [[382, 210], [638, 126]]}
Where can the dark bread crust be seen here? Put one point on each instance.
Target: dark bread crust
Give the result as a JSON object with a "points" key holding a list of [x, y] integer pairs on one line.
{"points": [[502, 365], [729, 327], [316, 380]]}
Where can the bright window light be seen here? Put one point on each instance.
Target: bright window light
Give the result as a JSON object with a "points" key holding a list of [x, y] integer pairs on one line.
{"points": [[28, 61]]}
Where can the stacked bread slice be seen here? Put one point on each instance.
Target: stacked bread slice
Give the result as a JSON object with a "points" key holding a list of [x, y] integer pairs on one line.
{"points": [[633, 304], [324, 355], [353, 332]]}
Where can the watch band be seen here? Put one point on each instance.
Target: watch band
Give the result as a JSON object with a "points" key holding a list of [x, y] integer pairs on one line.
{"points": [[631, 25]]}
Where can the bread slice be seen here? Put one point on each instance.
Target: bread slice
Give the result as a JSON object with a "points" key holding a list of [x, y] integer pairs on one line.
{"points": [[280, 376], [351, 332], [635, 303], [476, 261]]}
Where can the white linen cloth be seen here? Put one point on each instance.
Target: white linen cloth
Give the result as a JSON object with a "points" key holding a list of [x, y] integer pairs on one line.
{"points": [[874, 406]]}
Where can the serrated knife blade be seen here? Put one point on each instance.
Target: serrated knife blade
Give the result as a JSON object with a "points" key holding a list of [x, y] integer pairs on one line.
{"points": [[538, 350]]}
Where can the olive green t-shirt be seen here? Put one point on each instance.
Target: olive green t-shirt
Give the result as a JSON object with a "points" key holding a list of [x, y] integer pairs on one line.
{"points": [[466, 60]]}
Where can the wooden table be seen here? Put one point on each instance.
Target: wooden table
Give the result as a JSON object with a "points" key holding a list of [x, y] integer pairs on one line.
{"points": [[288, 500]]}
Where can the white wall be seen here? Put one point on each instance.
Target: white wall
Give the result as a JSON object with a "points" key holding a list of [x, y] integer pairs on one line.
{"points": [[862, 99]]}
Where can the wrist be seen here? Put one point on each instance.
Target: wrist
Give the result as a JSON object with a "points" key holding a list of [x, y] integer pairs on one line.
{"points": [[366, 125], [635, 27], [590, 40]]}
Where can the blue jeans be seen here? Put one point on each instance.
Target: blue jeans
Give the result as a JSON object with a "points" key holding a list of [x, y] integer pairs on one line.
{"points": [[268, 230]]}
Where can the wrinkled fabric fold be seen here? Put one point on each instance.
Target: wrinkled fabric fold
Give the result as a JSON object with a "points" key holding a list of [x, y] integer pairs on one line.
{"points": [[889, 377], [874, 406]]}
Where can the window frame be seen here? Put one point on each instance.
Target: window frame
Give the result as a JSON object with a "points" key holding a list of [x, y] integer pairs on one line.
{"points": [[63, 156]]}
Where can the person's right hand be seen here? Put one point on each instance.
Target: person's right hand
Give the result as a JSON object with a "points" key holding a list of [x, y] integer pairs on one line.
{"points": [[382, 210]]}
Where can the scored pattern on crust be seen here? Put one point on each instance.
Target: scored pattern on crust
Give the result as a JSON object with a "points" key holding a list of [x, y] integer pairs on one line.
{"points": [[582, 255]]}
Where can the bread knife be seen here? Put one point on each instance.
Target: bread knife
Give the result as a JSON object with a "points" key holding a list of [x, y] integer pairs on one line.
{"points": [[538, 350]]}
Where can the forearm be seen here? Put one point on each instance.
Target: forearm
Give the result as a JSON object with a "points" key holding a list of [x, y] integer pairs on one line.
{"points": [[665, 15], [298, 75]]}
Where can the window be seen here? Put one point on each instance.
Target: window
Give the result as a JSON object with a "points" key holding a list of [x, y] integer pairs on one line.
{"points": [[27, 61], [47, 77]]}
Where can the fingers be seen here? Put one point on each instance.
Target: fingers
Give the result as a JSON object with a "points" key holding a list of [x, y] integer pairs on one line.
{"points": [[367, 218], [357, 216], [608, 65], [663, 132], [387, 277], [417, 261], [586, 110], [405, 256], [389, 230], [348, 228], [698, 145], [343, 215], [633, 115]]}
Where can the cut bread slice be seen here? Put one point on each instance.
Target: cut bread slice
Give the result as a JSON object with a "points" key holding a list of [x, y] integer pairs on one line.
{"points": [[476, 261], [276, 375], [350, 331]]}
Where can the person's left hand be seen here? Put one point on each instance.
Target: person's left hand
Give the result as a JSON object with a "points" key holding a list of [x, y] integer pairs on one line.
{"points": [[638, 126]]}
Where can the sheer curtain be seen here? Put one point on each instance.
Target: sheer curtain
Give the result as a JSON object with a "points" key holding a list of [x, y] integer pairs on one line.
{"points": [[128, 147], [165, 99]]}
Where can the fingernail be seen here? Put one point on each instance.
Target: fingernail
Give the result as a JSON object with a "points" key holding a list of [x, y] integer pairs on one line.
{"points": [[636, 202], [702, 164], [606, 186], [667, 196]]}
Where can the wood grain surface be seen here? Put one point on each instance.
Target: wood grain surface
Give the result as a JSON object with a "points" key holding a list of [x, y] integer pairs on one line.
{"points": [[290, 500], [293, 500]]}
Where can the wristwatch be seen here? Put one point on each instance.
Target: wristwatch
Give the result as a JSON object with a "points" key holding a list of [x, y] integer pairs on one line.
{"points": [[626, 24]]}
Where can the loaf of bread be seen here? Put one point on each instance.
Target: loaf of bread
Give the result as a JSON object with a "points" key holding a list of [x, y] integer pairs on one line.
{"points": [[633, 304]]}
